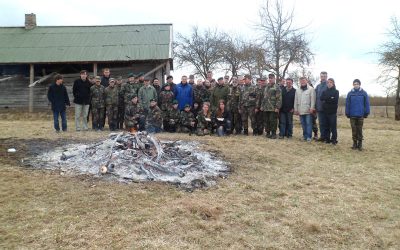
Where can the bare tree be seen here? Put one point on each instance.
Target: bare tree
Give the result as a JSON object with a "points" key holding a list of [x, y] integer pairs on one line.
{"points": [[389, 59], [232, 50], [201, 50], [285, 44]]}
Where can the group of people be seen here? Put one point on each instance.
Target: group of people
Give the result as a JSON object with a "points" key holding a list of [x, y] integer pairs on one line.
{"points": [[222, 107]]}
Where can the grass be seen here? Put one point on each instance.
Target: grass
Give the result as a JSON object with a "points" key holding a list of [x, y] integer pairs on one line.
{"points": [[282, 195]]}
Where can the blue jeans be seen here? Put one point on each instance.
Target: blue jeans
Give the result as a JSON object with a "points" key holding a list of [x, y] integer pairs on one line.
{"points": [[285, 124], [323, 126], [153, 129], [306, 124], [63, 115]]}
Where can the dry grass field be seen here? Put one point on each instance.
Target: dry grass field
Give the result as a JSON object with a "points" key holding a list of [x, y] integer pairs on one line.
{"points": [[282, 194]]}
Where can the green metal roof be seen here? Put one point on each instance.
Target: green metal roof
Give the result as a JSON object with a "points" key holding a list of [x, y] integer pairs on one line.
{"points": [[85, 43]]}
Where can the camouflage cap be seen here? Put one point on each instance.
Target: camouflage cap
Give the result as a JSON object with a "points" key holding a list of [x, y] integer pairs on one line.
{"points": [[175, 102], [112, 79], [153, 100], [97, 77], [187, 106], [131, 75]]}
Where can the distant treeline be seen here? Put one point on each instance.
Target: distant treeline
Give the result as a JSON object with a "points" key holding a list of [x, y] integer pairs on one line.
{"points": [[374, 101]]}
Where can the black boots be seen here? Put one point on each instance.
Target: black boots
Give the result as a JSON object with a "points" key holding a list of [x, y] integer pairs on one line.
{"points": [[246, 132], [355, 146], [360, 145]]}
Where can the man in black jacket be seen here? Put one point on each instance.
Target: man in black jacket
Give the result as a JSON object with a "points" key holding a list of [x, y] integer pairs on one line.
{"points": [[58, 97], [330, 100], [81, 92], [286, 111]]}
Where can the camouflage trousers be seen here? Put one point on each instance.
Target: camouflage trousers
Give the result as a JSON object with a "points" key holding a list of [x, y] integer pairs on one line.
{"points": [[260, 122], [112, 116], [236, 121], [356, 128], [98, 118], [246, 113], [270, 121], [121, 117]]}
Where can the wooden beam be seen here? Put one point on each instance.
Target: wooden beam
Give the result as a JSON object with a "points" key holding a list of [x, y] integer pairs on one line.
{"points": [[94, 69], [31, 79], [168, 69]]}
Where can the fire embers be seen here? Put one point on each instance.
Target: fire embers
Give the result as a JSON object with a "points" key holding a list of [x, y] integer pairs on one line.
{"points": [[138, 157]]}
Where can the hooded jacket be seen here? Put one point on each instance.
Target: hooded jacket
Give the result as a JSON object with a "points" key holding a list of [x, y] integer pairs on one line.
{"points": [[357, 103]]}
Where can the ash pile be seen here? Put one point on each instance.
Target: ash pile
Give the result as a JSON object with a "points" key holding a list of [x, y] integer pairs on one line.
{"points": [[137, 157]]}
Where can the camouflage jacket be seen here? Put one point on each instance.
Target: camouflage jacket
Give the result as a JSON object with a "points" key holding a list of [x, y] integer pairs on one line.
{"points": [[112, 96], [200, 94], [120, 96], [165, 100], [133, 113], [127, 89], [186, 118], [154, 117], [173, 116], [260, 96], [233, 99], [272, 98], [220, 92], [204, 121], [248, 96], [97, 96]]}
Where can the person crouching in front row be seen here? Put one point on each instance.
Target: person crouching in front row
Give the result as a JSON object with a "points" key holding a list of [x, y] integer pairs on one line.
{"points": [[222, 119], [204, 122], [154, 118]]}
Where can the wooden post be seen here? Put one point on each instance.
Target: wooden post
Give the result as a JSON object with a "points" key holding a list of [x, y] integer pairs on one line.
{"points": [[168, 68], [94, 69], [31, 79]]}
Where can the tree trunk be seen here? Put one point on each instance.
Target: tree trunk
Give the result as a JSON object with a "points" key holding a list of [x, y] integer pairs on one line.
{"points": [[397, 106]]}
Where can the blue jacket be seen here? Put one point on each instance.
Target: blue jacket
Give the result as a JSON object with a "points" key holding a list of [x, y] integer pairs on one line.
{"points": [[58, 97], [318, 92], [184, 95], [357, 103]]}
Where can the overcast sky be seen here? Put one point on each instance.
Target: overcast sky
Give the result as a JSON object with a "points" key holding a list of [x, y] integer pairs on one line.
{"points": [[343, 32]]}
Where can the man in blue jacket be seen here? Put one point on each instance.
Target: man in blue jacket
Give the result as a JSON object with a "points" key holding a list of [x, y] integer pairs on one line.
{"points": [[58, 97], [183, 93], [357, 108]]}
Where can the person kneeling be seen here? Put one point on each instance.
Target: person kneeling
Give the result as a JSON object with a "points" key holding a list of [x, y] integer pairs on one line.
{"points": [[172, 118], [154, 118], [222, 119], [187, 120], [134, 115], [204, 122]]}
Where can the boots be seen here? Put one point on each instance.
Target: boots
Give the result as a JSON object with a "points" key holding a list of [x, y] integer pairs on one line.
{"points": [[360, 145], [246, 132], [255, 132], [355, 146], [273, 135], [268, 134]]}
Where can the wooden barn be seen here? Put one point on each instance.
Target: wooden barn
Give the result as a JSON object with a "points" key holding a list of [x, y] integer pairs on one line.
{"points": [[31, 55]]}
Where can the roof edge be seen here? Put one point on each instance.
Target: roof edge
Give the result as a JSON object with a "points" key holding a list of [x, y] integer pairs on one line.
{"points": [[112, 25]]}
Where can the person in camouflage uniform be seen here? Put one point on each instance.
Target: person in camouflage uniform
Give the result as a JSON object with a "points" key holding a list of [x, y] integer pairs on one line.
{"points": [[259, 115], [220, 92], [129, 88], [134, 115], [172, 118], [165, 100], [187, 120], [209, 88], [204, 121], [153, 118], [247, 104], [270, 105], [233, 105], [112, 99], [146, 93], [200, 93], [121, 104], [97, 95]]}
